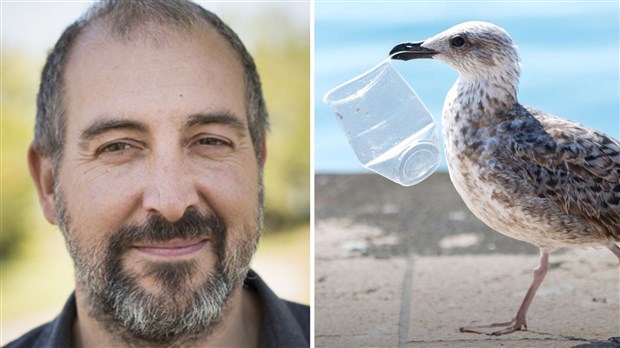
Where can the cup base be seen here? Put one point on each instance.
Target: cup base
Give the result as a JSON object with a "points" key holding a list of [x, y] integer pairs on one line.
{"points": [[417, 163]]}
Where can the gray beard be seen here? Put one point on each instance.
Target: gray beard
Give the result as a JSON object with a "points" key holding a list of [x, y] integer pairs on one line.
{"points": [[179, 312]]}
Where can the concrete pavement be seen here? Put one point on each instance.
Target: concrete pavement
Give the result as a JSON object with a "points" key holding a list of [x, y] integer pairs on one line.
{"points": [[405, 267]]}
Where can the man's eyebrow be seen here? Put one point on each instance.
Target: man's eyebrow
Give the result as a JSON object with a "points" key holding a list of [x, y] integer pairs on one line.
{"points": [[223, 118], [100, 127]]}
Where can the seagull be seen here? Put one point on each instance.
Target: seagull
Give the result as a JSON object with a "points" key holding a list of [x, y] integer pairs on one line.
{"points": [[525, 173]]}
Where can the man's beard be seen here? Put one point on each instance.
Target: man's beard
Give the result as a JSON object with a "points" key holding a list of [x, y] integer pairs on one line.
{"points": [[182, 307]]}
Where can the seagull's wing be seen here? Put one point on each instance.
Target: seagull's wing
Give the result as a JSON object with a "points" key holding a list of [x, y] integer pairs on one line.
{"points": [[577, 167], [582, 151]]}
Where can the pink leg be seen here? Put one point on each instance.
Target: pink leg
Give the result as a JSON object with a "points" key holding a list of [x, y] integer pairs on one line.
{"points": [[614, 249], [518, 323]]}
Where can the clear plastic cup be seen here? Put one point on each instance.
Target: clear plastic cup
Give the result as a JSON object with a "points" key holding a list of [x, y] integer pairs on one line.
{"points": [[388, 127]]}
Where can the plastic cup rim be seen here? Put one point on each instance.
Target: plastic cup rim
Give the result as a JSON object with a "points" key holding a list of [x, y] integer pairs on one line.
{"points": [[326, 97]]}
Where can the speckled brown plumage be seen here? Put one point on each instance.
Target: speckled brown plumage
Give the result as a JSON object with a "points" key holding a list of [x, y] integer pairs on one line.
{"points": [[536, 177], [527, 174]]}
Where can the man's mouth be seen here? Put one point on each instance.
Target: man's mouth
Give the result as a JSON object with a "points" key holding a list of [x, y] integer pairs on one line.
{"points": [[172, 248]]}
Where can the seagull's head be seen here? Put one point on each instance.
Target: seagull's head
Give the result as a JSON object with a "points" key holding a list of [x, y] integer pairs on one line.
{"points": [[475, 49]]}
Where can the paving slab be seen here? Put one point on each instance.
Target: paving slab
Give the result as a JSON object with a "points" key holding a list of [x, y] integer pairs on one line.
{"points": [[360, 299]]}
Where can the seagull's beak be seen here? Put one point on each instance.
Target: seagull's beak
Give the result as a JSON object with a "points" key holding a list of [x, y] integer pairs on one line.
{"points": [[411, 50]]}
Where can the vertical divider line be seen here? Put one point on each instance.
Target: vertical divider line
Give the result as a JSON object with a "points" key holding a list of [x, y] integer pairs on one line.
{"points": [[405, 306]]}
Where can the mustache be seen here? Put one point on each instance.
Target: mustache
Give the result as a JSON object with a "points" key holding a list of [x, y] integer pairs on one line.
{"points": [[156, 228]]}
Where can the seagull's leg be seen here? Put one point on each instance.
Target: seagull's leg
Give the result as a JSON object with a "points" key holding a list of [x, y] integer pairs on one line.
{"points": [[614, 249], [518, 323]]}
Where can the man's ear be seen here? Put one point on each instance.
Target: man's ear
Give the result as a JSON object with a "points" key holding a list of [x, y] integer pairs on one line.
{"points": [[41, 172]]}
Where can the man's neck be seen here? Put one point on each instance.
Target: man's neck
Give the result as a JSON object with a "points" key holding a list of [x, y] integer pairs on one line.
{"points": [[240, 326]]}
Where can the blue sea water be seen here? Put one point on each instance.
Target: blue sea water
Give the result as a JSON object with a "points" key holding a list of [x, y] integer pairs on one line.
{"points": [[569, 50]]}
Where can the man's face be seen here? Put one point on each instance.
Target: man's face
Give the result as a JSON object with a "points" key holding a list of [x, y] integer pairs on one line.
{"points": [[159, 182]]}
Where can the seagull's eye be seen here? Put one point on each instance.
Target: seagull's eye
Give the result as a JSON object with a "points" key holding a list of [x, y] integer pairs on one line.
{"points": [[457, 41]]}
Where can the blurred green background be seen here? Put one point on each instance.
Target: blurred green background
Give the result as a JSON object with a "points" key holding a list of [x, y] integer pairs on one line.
{"points": [[36, 271]]}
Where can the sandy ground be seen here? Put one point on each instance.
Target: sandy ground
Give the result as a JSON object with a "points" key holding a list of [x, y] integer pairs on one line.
{"points": [[406, 267]]}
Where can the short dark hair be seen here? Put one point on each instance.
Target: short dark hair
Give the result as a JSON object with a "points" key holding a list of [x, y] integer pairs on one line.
{"points": [[123, 18]]}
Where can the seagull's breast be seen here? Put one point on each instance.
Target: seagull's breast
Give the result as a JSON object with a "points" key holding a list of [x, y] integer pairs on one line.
{"points": [[473, 172], [487, 199]]}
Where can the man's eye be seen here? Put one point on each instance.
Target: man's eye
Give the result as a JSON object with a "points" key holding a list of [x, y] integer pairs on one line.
{"points": [[212, 147], [213, 141], [115, 147]]}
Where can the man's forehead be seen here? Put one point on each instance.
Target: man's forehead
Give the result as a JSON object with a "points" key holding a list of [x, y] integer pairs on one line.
{"points": [[158, 59]]}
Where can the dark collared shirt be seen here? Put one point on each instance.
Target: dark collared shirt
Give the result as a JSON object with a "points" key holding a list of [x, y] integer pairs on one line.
{"points": [[285, 324]]}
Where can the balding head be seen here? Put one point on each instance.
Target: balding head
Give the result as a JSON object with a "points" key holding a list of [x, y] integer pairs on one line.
{"points": [[126, 21]]}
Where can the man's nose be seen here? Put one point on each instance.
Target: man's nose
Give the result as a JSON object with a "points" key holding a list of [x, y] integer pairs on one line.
{"points": [[170, 189]]}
